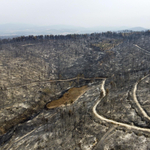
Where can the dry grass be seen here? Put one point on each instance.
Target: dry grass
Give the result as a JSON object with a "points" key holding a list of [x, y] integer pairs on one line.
{"points": [[69, 97]]}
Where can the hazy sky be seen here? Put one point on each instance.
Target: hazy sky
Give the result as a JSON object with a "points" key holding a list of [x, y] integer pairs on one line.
{"points": [[86, 13]]}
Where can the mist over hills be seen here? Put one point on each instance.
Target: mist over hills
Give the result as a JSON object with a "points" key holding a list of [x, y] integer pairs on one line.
{"points": [[138, 29], [12, 30]]}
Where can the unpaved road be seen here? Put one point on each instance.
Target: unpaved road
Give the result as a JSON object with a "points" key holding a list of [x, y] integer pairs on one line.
{"points": [[99, 146], [136, 101], [113, 121], [145, 51], [52, 81]]}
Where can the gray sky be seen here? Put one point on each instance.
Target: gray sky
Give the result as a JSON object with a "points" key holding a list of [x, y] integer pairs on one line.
{"points": [[86, 13]]}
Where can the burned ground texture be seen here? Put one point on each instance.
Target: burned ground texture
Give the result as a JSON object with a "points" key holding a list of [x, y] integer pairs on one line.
{"points": [[49, 86]]}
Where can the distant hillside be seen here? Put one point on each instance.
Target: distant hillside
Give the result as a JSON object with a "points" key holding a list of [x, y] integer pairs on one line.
{"points": [[26, 29], [138, 29]]}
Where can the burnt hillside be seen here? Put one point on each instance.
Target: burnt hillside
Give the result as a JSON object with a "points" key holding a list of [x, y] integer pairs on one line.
{"points": [[36, 70]]}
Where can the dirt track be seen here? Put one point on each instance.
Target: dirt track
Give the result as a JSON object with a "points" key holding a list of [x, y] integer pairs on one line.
{"points": [[113, 121]]}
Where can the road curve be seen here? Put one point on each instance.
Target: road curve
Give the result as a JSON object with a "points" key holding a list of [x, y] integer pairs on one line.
{"points": [[112, 121], [136, 101]]}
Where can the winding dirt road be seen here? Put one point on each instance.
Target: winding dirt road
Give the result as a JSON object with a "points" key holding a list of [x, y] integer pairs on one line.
{"points": [[52, 81], [145, 51], [115, 122], [136, 101]]}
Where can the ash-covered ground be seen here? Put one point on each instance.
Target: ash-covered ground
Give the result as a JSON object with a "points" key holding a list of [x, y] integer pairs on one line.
{"points": [[37, 70]]}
